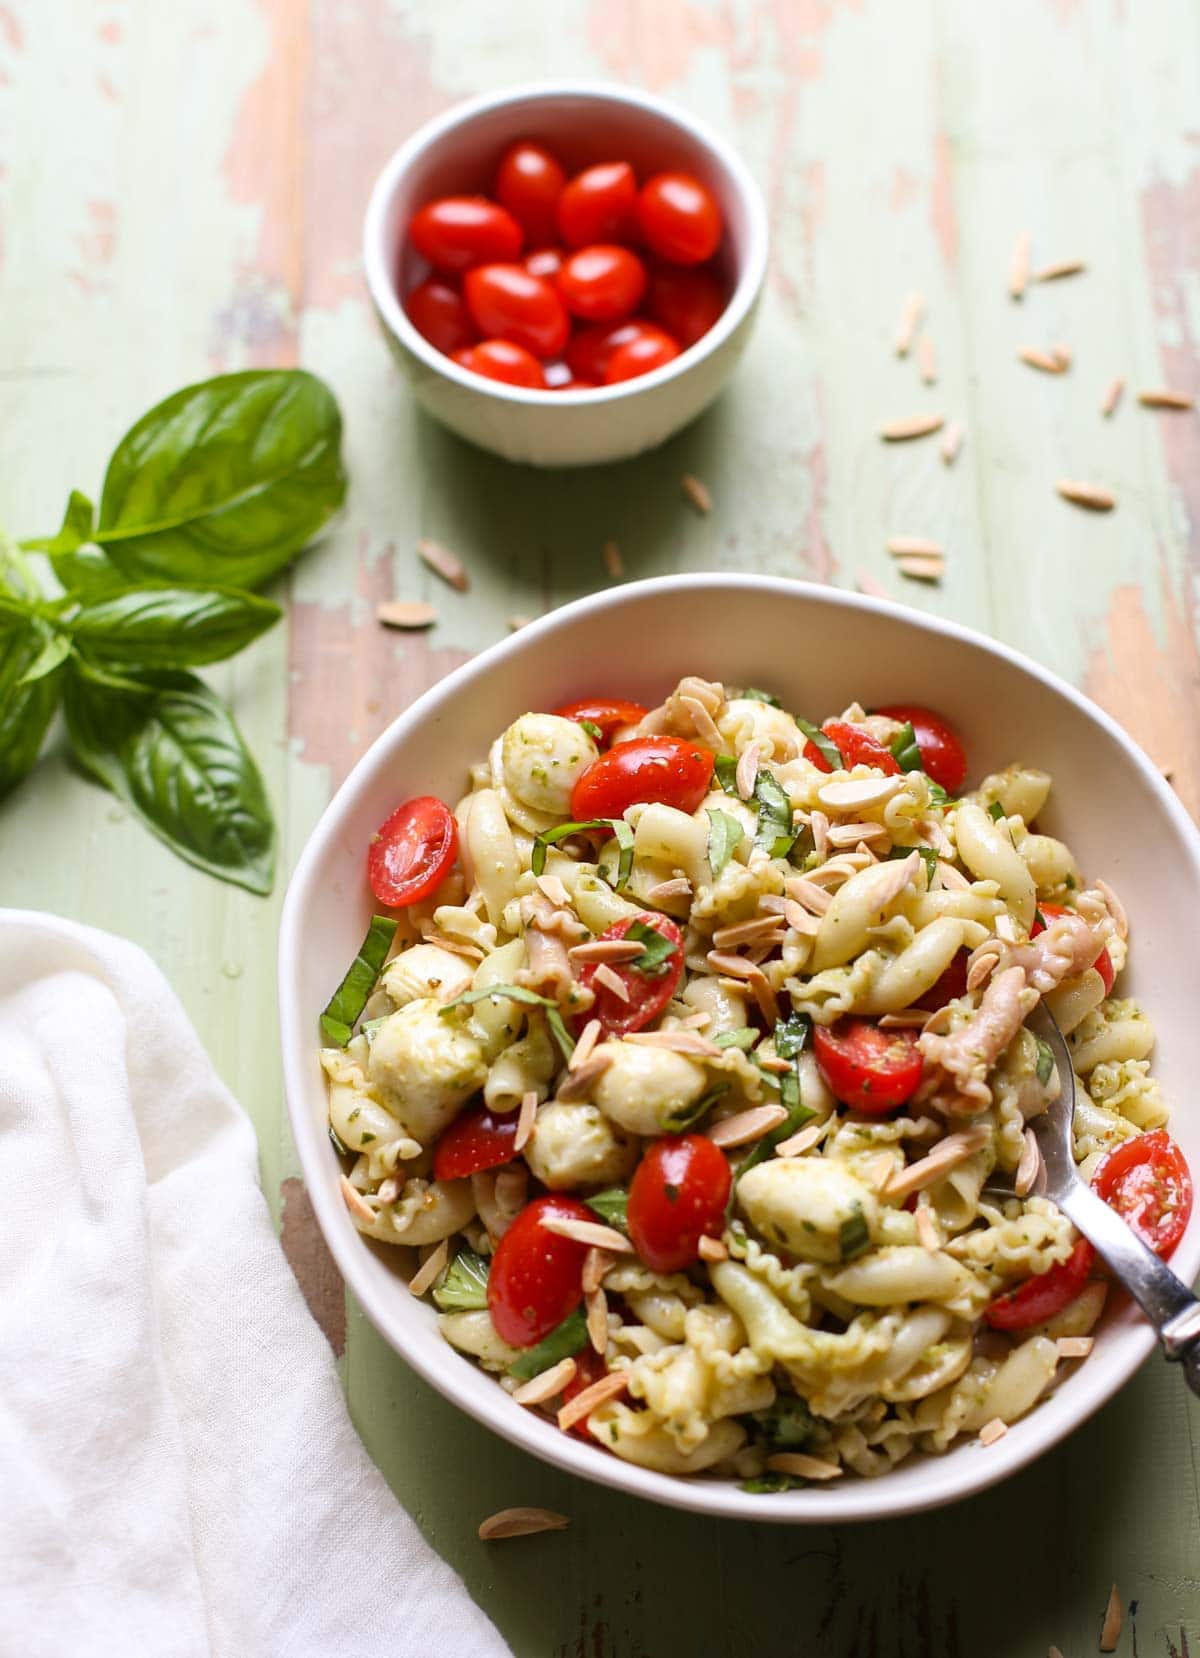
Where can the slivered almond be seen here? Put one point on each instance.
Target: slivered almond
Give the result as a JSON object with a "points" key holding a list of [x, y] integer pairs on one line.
{"points": [[1112, 397], [946, 1155], [907, 1019], [1164, 398], [992, 1431], [676, 1042], [521, 1522], [1006, 928], [1060, 268], [899, 545], [611, 981], [1091, 496], [772, 1062], [606, 949], [696, 1021], [913, 426], [910, 319], [803, 1466], [696, 493], [588, 1037], [1018, 267], [543, 1387], [879, 1170], [927, 360], [806, 892], [356, 1204], [1110, 1632], [591, 1232], [595, 1264], [663, 891], [526, 1118], [583, 1404], [746, 773], [797, 1144], [801, 920], [712, 1249], [921, 568], [857, 792], [852, 834], [746, 1126], [819, 824], [1028, 1167], [596, 1303], [554, 890], [745, 932], [927, 1232], [429, 1268], [443, 563], [406, 614], [1063, 355], [1074, 1347], [576, 1084], [951, 442], [1048, 361], [614, 564]]}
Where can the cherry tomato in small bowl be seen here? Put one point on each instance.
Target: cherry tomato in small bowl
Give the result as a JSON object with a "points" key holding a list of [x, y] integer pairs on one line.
{"points": [[652, 348], [529, 182], [506, 303], [678, 1196], [647, 992], [870, 1069], [602, 283], [1044, 1296], [413, 851], [536, 1277], [502, 360], [685, 301], [590, 348], [599, 205], [664, 769], [856, 747], [545, 262], [1103, 962], [1147, 1181], [679, 218], [438, 311], [456, 232], [477, 1139], [607, 714], [942, 755]]}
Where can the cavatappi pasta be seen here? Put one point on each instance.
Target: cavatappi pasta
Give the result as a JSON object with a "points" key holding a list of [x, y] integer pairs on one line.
{"points": [[837, 1310]]}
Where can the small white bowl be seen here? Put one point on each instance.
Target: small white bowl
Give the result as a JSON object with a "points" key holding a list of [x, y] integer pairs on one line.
{"points": [[818, 649], [583, 122]]}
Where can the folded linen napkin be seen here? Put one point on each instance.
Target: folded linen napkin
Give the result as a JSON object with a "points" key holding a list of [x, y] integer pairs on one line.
{"points": [[178, 1473]]}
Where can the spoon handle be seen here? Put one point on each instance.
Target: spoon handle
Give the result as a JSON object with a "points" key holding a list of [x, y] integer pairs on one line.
{"points": [[1166, 1300]]}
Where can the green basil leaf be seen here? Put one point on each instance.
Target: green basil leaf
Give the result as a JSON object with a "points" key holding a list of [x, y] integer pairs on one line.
{"points": [[351, 996], [593, 730], [1045, 1061], [724, 835], [624, 836], [745, 1038], [562, 832], [657, 951], [50, 658], [928, 857], [853, 1236], [682, 1120], [725, 770], [225, 481], [26, 707], [775, 833], [753, 694], [996, 811], [792, 1034], [527, 998], [86, 573], [826, 745], [463, 1286], [77, 527], [905, 749], [767, 1484], [167, 746], [159, 626], [612, 1205], [787, 1424], [562, 1343], [938, 795]]}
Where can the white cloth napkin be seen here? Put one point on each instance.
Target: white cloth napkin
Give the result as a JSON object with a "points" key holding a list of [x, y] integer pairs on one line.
{"points": [[178, 1474]]}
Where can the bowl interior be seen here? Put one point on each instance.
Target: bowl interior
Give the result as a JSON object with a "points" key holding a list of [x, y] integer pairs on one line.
{"points": [[817, 650]]}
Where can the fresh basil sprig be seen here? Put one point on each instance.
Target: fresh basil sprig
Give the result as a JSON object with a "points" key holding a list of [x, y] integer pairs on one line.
{"points": [[724, 835], [775, 834], [905, 750], [351, 996], [725, 771], [657, 950], [612, 1205], [463, 1288], [616, 827], [826, 745]]}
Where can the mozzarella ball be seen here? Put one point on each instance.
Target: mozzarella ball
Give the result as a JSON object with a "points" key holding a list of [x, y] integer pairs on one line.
{"points": [[541, 759], [426, 971], [801, 1204], [647, 1090], [425, 1067], [575, 1145]]}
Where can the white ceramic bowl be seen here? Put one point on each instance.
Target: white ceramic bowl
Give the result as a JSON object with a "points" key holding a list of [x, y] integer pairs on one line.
{"points": [[818, 649], [583, 122]]}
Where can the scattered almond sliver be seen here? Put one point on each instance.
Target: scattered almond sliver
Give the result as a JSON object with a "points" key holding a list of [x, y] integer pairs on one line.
{"points": [[1166, 399], [355, 1203], [992, 1431], [678, 887], [429, 1268], [1110, 1632], [712, 1249], [613, 562], [1061, 268], [745, 1126], [1074, 1347], [408, 614], [1050, 362], [545, 1386], [798, 1144], [526, 1119], [676, 1041], [588, 1037], [593, 1233], [927, 1232], [1091, 496], [951, 442], [1112, 397], [901, 545], [910, 318], [915, 426], [595, 1264], [922, 566], [696, 493], [583, 1404], [805, 1467], [927, 360], [521, 1522], [611, 981], [443, 563], [606, 949], [1018, 269]]}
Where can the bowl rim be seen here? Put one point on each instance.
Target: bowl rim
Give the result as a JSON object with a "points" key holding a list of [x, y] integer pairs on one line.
{"points": [[377, 250], [948, 1480]]}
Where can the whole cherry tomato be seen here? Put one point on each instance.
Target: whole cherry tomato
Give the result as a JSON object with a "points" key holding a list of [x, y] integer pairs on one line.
{"points": [[536, 1277], [869, 1069], [502, 360], [685, 301], [856, 747], [679, 218], [602, 283], [942, 754], [607, 714], [413, 851], [590, 349], [544, 262], [652, 348], [647, 991], [1103, 962], [599, 205], [1147, 1181], [457, 232], [589, 1367], [476, 1139], [667, 769], [507, 303], [1044, 1296], [437, 311], [529, 182], [678, 1196]]}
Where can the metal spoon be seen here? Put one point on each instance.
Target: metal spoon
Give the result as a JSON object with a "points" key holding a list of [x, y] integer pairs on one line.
{"points": [[1166, 1301]]}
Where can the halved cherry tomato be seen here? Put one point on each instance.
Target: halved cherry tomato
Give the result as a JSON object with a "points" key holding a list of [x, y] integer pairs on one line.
{"points": [[651, 349], [544, 262], [666, 769], [686, 302], [599, 205], [536, 1278], [502, 360], [1147, 1181], [678, 1196], [856, 747], [507, 303], [608, 713], [870, 1069], [647, 993], [590, 348], [679, 218], [1042, 1297], [1103, 962], [529, 182], [412, 852], [476, 1139], [589, 1367], [438, 311], [457, 232], [602, 283], [952, 983], [942, 754]]}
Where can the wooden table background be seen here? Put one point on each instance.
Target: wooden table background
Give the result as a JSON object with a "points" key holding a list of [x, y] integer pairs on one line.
{"points": [[181, 189]]}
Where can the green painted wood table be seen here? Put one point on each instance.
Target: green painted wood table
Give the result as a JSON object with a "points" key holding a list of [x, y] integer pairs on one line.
{"points": [[181, 188]]}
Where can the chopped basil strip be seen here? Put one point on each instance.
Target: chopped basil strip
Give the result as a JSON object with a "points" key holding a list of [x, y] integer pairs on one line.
{"points": [[826, 744], [692, 1114], [853, 1236], [624, 836], [562, 1343], [1039, 918], [350, 997], [775, 833], [611, 1205], [657, 951], [928, 857], [786, 1424], [527, 998], [1045, 1061], [765, 1484], [906, 751], [744, 1038], [753, 694], [725, 768], [723, 837], [938, 795], [563, 832], [792, 1034], [995, 811], [593, 730], [342, 1150], [463, 1286]]}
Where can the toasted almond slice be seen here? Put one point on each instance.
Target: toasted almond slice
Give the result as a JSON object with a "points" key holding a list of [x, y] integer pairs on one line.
{"points": [[747, 932], [591, 1232], [595, 1264], [389, 1190], [663, 891], [596, 1303], [554, 890], [951, 442], [946, 1155], [611, 981], [696, 1021], [526, 1119], [521, 1522], [927, 360], [606, 949], [443, 563], [406, 614], [913, 426], [577, 1083], [712, 1249], [1018, 268], [429, 1268], [899, 545], [583, 1404], [819, 824], [797, 1144], [696, 492], [927, 1231], [922, 569], [801, 920], [910, 318], [992, 1431], [746, 1126], [588, 1037], [1074, 1347], [802, 1465], [853, 834], [807, 892], [1006, 927], [866, 583], [1063, 356], [356, 1204], [676, 1042], [908, 1018], [1061, 268], [1164, 398], [614, 564], [856, 792], [1047, 361], [1110, 1632], [746, 773], [879, 1170], [772, 1062], [1029, 1166], [1087, 495], [1112, 397], [540, 1388]]}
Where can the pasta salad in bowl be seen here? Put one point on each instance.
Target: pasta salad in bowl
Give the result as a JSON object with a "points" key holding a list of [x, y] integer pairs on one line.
{"points": [[687, 1061]]}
